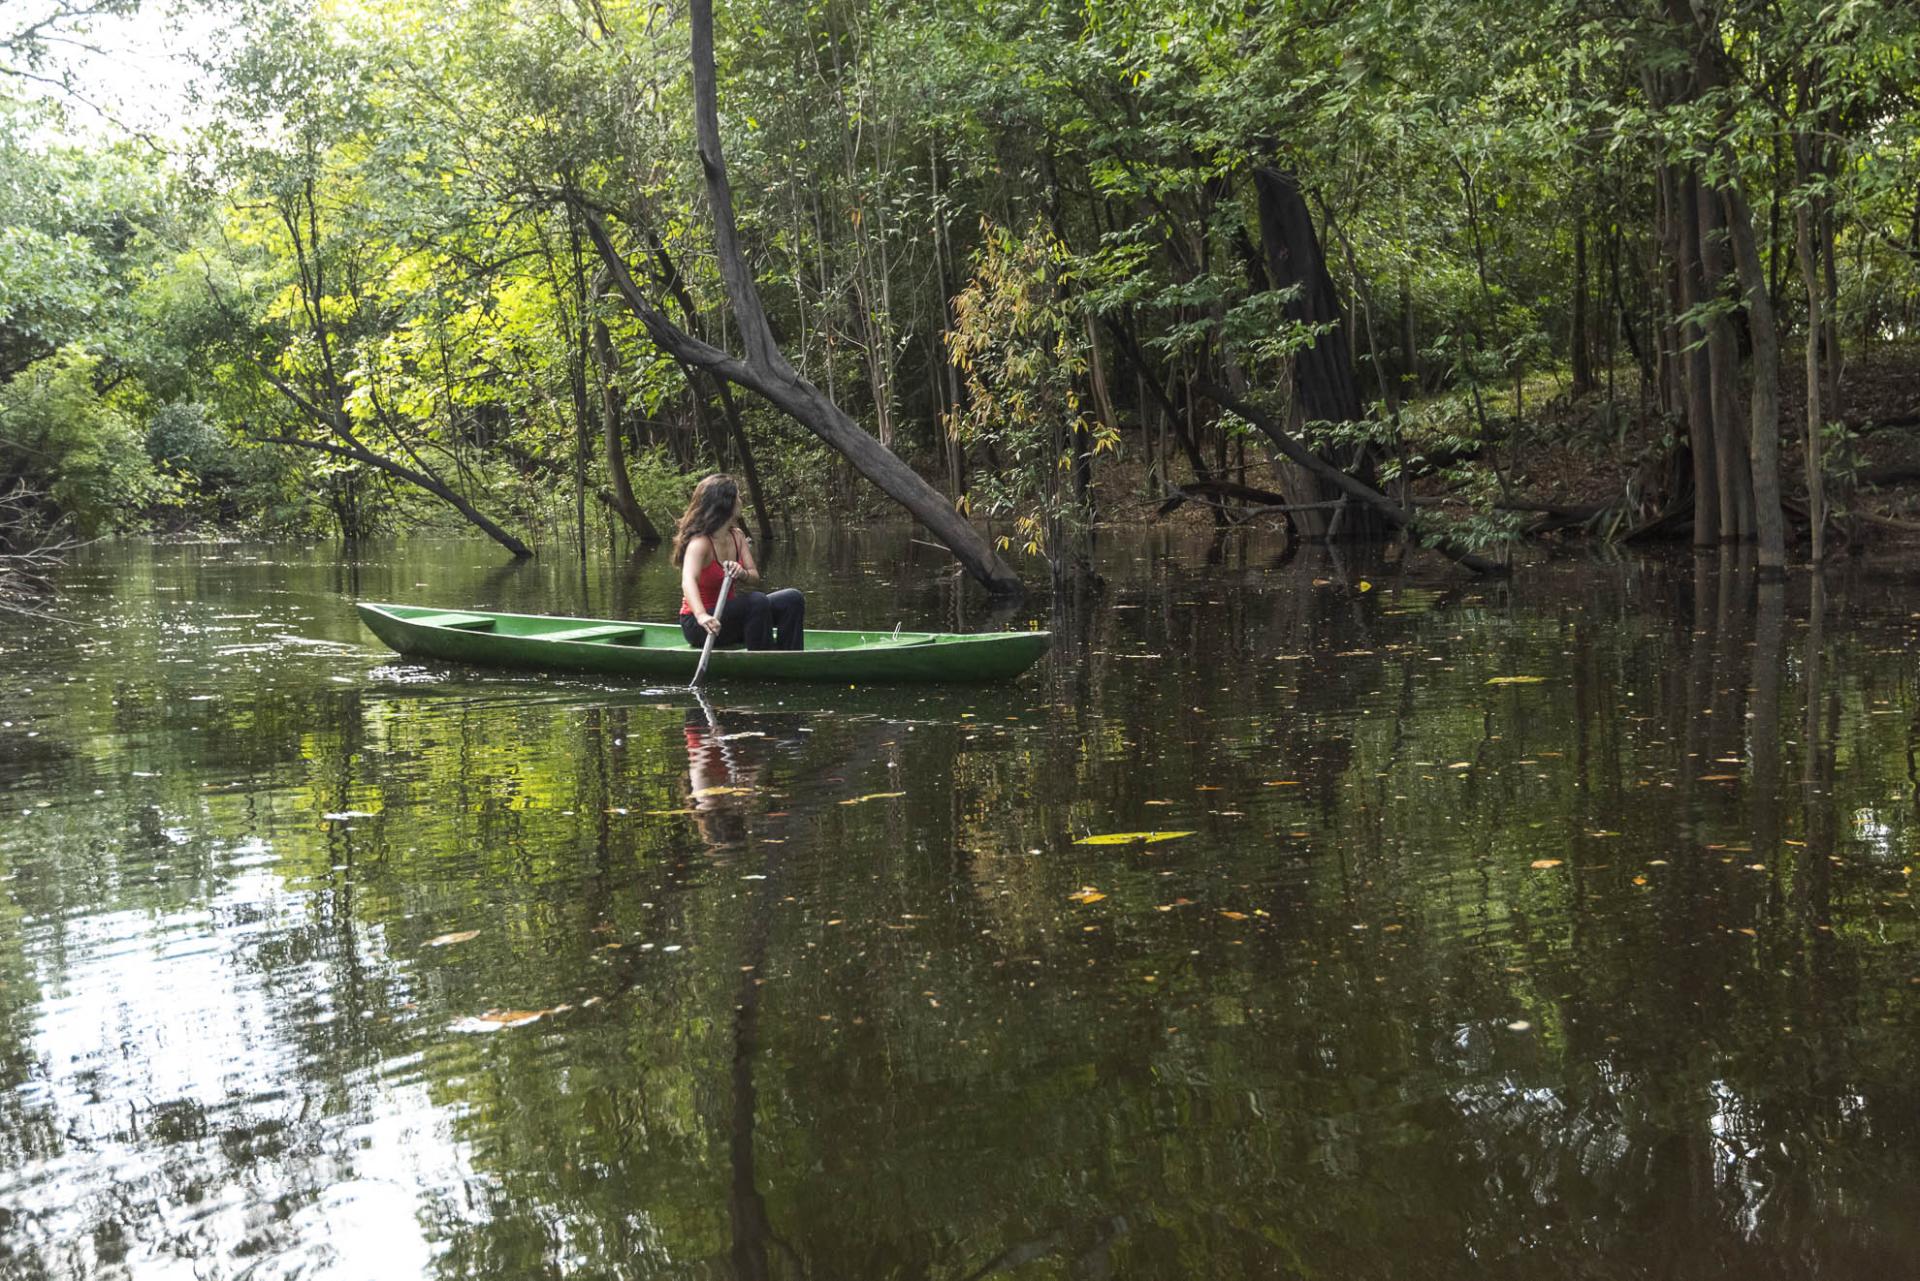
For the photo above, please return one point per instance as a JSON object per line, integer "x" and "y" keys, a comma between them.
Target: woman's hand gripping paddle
{"x": 706, "y": 651}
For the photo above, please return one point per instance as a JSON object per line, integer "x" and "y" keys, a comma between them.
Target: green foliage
{"x": 1020, "y": 343}
{"x": 368, "y": 237}
{"x": 61, "y": 438}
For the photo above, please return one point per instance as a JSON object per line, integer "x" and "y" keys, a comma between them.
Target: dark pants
{"x": 759, "y": 619}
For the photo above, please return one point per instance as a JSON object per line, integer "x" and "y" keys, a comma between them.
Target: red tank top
{"x": 709, "y": 585}
{"x": 710, "y": 577}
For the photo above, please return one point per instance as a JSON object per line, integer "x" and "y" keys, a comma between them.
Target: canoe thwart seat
{"x": 598, "y": 632}
{"x": 460, "y": 622}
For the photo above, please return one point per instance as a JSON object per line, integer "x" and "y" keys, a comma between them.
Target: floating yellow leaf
{"x": 1541, "y": 864}
{"x": 1365, "y": 586}
{"x": 1086, "y": 894}
{"x": 1639, "y": 880}
{"x": 1234, "y": 916}
{"x": 446, "y": 939}
{"x": 495, "y": 1020}
{"x": 511, "y": 1017}
{"x": 1517, "y": 680}
{"x": 1719, "y": 778}
{"x": 872, "y": 796}
{"x": 1129, "y": 838}
{"x": 1284, "y": 782}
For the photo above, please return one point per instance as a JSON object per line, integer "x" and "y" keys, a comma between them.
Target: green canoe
{"x": 659, "y": 651}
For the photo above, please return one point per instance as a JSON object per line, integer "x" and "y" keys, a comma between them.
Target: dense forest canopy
{"x": 510, "y": 264}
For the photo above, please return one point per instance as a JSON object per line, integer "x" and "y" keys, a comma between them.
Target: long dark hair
{"x": 706, "y": 515}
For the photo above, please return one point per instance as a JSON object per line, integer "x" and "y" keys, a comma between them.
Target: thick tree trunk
{"x": 1324, "y": 380}
{"x": 1764, "y": 434}
{"x": 1732, "y": 451}
{"x": 764, "y": 369}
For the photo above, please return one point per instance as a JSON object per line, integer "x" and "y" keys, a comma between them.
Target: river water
{"x": 1560, "y": 927}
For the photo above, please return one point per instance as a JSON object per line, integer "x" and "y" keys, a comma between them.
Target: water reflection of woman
{"x": 709, "y": 544}
{"x": 710, "y": 776}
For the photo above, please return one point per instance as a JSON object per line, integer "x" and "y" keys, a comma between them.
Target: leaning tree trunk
{"x": 803, "y": 401}
{"x": 763, "y": 368}
{"x": 1323, "y": 373}
{"x": 1359, "y": 492}
{"x": 349, "y": 446}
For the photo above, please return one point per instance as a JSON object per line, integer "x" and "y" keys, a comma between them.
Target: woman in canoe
{"x": 709, "y": 543}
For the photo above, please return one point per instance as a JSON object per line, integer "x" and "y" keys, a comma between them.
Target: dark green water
{"x": 1614, "y": 973}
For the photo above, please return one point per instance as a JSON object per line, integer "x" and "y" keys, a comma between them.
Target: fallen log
{"x": 1883, "y": 474}
{"x": 1366, "y": 495}
{"x": 1203, "y": 489}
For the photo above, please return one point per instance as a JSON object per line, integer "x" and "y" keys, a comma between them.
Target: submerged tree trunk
{"x": 629, "y": 510}
{"x": 1324, "y": 380}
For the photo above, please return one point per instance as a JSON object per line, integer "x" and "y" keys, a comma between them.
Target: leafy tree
{"x": 60, "y": 438}
{"x": 1021, "y": 346}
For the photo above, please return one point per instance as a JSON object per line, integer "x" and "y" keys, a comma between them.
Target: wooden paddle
{"x": 706, "y": 651}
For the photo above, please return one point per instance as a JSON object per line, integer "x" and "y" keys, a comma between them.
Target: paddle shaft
{"x": 706, "y": 651}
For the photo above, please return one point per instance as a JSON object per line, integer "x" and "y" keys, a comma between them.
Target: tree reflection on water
{"x": 1608, "y": 973}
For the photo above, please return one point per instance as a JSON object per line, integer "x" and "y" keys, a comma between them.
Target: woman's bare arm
{"x": 744, "y": 546}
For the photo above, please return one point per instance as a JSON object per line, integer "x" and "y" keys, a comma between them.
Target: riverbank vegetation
{"x": 1376, "y": 269}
